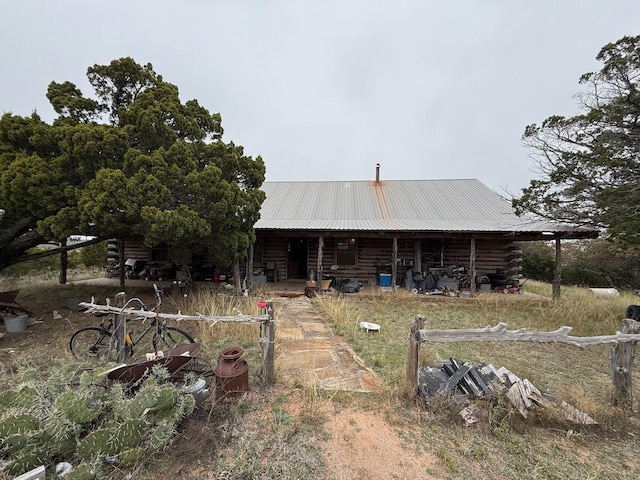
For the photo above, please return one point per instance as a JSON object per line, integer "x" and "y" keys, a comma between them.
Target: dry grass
{"x": 543, "y": 446}
{"x": 272, "y": 432}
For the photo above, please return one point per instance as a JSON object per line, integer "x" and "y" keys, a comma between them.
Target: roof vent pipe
{"x": 377, "y": 173}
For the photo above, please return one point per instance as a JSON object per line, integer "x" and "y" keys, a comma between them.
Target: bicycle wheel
{"x": 172, "y": 337}
{"x": 90, "y": 343}
{"x": 168, "y": 337}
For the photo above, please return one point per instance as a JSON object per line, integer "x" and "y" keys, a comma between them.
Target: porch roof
{"x": 464, "y": 205}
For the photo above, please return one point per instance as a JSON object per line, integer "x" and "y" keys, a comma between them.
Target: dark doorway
{"x": 297, "y": 258}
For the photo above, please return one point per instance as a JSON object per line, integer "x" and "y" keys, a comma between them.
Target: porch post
{"x": 417, "y": 255}
{"x": 122, "y": 260}
{"x": 64, "y": 264}
{"x": 472, "y": 266}
{"x": 319, "y": 266}
{"x": 250, "y": 265}
{"x": 557, "y": 273}
{"x": 394, "y": 261}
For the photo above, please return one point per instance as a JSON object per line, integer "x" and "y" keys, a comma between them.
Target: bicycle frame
{"x": 108, "y": 327}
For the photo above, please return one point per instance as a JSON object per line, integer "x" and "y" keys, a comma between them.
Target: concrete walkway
{"x": 307, "y": 351}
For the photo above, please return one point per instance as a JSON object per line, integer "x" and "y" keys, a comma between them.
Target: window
{"x": 346, "y": 251}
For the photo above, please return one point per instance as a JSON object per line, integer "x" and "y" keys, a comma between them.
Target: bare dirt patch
{"x": 362, "y": 445}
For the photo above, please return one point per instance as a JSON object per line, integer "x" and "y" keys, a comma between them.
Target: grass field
{"x": 505, "y": 445}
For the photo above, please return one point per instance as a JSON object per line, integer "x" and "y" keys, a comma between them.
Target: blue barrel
{"x": 385, "y": 279}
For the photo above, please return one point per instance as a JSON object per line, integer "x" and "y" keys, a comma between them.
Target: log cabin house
{"x": 361, "y": 229}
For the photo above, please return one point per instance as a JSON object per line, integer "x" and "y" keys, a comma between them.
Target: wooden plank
{"x": 35, "y": 474}
{"x": 455, "y": 379}
{"x": 499, "y": 333}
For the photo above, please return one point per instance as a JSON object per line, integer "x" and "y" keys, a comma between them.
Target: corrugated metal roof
{"x": 392, "y": 205}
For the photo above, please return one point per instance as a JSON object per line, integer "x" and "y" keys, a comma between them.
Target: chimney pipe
{"x": 377, "y": 173}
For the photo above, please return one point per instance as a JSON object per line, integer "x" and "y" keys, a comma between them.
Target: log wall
{"x": 374, "y": 255}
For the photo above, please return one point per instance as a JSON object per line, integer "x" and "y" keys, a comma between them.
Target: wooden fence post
{"x": 414, "y": 349}
{"x": 120, "y": 327}
{"x": 621, "y": 363}
{"x": 268, "y": 346}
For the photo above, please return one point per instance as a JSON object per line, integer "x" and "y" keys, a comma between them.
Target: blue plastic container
{"x": 385, "y": 280}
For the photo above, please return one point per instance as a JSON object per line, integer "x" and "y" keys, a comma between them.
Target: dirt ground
{"x": 358, "y": 442}
{"x": 364, "y": 446}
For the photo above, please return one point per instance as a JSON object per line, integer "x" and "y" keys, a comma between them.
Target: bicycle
{"x": 96, "y": 342}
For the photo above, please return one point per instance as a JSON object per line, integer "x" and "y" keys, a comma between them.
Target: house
{"x": 362, "y": 229}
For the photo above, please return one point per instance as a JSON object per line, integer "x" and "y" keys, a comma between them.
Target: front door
{"x": 297, "y": 258}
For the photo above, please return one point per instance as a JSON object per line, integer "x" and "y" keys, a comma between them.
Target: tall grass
{"x": 214, "y": 337}
{"x": 503, "y": 444}
{"x": 553, "y": 365}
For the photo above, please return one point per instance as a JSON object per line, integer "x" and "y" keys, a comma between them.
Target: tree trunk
{"x": 237, "y": 281}
{"x": 557, "y": 273}
{"x": 250, "y": 266}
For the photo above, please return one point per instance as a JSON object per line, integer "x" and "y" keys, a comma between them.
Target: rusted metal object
{"x": 232, "y": 372}
{"x": 8, "y": 303}
{"x": 173, "y": 359}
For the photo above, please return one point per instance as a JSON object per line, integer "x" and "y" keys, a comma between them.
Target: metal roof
{"x": 393, "y": 205}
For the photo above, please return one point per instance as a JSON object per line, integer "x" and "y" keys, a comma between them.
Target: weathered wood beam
{"x": 120, "y": 328}
{"x": 319, "y": 266}
{"x": 621, "y": 363}
{"x": 267, "y": 367}
{"x": 121, "y": 260}
{"x": 472, "y": 266}
{"x": 411, "y": 372}
{"x": 499, "y": 333}
{"x": 108, "y": 309}
{"x": 394, "y": 261}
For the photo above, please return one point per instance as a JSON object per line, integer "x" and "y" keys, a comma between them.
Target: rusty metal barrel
{"x": 232, "y": 372}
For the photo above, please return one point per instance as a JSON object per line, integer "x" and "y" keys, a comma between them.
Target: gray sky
{"x": 324, "y": 90}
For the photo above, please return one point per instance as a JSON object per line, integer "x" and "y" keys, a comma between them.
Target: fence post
{"x": 414, "y": 349}
{"x": 268, "y": 346}
{"x": 621, "y": 363}
{"x": 120, "y": 326}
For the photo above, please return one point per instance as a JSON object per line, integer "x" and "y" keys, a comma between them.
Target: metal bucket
{"x": 15, "y": 324}
{"x": 232, "y": 372}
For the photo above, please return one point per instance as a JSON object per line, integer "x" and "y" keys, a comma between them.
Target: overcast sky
{"x": 324, "y": 90}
